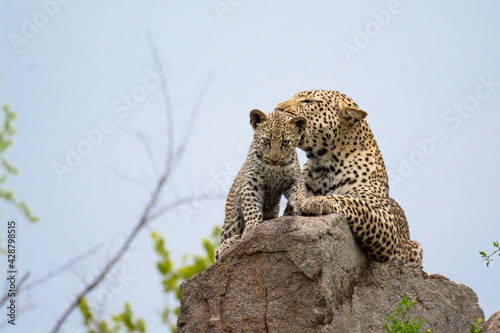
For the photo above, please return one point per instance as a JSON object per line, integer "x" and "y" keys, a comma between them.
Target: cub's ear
{"x": 257, "y": 117}
{"x": 351, "y": 114}
{"x": 299, "y": 124}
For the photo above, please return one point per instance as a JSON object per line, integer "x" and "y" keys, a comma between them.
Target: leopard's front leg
{"x": 371, "y": 223}
{"x": 226, "y": 246}
{"x": 319, "y": 206}
{"x": 251, "y": 208}
{"x": 295, "y": 193}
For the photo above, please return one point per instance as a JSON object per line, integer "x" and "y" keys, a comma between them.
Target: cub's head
{"x": 327, "y": 111}
{"x": 276, "y": 136}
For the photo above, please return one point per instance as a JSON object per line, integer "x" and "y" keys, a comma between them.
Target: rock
{"x": 492, "y": 325}
{"x": 308, "y": 274}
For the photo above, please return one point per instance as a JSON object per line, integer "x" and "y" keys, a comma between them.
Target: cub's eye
{"x": 266, "y": 141}
{"x": 285, "y": 143}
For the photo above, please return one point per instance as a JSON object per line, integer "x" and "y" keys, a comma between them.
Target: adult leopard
{"x": 345, "y": 173}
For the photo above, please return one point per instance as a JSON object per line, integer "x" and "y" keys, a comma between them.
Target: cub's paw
{"x": 293, "y": 209}
{"x": 317, "y": 206}
{"x": 226, "y": 246}
{"x": 289, "y": 210}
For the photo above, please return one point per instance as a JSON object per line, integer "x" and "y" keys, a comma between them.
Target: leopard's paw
{"x": 317, "y": 206}
{"x": 226, "y": 246}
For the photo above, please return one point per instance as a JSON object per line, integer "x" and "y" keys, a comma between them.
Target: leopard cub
{"x": 270, "y": 170}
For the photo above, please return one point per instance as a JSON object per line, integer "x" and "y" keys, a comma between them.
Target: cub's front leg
{"x": 296, "y": 195}
{"x": 295, "y": 192}
{"x": 226, "y": 246}
{"x": 251, "y": 208}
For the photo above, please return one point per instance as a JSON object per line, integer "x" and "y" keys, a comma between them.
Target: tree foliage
{"x": 122, "y": 322}
{"x": 397, "y": 322}
{"x": 488, "y": 257}
{"x": 171, "y": 278}
{"x": 7, "y": 132}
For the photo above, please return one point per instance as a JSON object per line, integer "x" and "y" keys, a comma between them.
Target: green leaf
{"x": 7, "y": 132}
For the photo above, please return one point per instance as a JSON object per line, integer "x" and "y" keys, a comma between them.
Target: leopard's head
{"x": 327, "y": 111}
{"x": 276, "y": 136}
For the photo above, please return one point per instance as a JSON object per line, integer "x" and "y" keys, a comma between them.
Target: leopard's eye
{"x": 266, "y": 141}
{"x": 285, "y": 143}
{"x": 307, "y": 101}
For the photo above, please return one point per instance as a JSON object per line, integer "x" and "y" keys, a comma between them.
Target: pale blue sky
{"x": 426, "y": 72}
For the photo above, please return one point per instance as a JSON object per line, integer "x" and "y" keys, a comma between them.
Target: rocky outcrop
{"x": 492, "y": 325}
{"x": 308, "y": 274}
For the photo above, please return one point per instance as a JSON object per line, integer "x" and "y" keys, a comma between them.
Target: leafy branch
{"x": 123, "y": 320}
{"x": 173, "y": 277}
{"x": 151, "y": 210}
{"x": 396, "y": 322}
{"x": 488, "y": 257}
{"x": 7, "y": 132}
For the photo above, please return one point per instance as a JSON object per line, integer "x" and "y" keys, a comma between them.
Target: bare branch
{"x": 20, "y": 311}
{"x": 18, "y": 286}
{"x": 162, "y": 210}
{"x": 147, "y": 147}
{"x": 147, "y": 214}
{"x": 107, "y": 268}
{"x": 146, "y": 144}
{"x": 130, "y": 179}
{"x": 194, "y": 113}
{"x": 145, "y": 217}
{"x": 166, "y": 98}
{"x": 61, "y": 269}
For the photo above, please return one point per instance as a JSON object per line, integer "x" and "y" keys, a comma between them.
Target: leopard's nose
{"x": 276, "y": 109}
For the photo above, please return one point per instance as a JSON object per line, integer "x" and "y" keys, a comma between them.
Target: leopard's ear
{"x": 351, "y": 114}
{"x": 299, "y": 124}
{"x": 257, "y": 117}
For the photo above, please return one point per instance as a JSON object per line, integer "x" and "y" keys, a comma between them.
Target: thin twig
{"x": 146, "y": 144}
{"x": 162, "y": 210}
{"x": 166, "y": 98}
{"x": 487, "y": 257}
{"x": 147, "y": 212}
{"x": 147, "y": 147}
{"x": 194, "y": 113}
{"x": 61, "y": 269}
{"x": 18, "y": 286}
{"x": 130, "y": 179}
{"x": 107, "y": 268}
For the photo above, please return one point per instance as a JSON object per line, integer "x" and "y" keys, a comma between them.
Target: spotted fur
{"x": 345, "y": 173}
{"x": 270, "y": 170}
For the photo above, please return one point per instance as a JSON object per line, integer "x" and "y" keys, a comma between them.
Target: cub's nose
{"x": 277, "y": 109}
